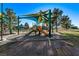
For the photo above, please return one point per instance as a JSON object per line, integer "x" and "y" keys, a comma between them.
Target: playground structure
{"x": 41, "y": 18}
{"x": 43, "y": 21}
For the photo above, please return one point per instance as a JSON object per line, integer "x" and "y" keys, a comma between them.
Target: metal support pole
{"x": 1, "y": 21}
{"x": 18, "y": 25}
{"x": 49, "y": 23}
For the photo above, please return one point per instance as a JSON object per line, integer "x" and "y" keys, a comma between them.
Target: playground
{"x": 44, "y": 38}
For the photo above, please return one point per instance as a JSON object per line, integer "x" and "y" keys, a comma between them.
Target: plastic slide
{"x": 43, "y": 31}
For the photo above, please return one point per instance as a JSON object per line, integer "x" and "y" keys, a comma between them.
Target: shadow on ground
{"x": 38, "y": 46}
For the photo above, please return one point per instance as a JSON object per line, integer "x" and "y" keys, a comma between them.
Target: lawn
{"x": 71, "y": 35}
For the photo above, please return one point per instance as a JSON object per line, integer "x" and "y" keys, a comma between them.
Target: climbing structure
{"x": 42, "y": 21}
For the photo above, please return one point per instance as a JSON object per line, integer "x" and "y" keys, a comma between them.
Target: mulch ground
{"x": 33, "y": 46}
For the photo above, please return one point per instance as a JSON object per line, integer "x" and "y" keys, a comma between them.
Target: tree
{"x": 4, "y": 21}
{"x": 11, "y": 17}
{"x": 74, "y": 27}
{"x": 57, "y": 13}
{"x": 21, "y": 27}
{"x": 65, "y": 22}
{"x": 26, "y": 26}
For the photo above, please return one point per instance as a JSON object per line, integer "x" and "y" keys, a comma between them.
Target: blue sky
{"x": 70, "y": 9}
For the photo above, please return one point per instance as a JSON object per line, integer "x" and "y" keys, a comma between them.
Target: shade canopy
{"x": 38, "y": 17}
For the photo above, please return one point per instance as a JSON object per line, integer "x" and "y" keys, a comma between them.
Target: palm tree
{"x": 57, "y": 13}
{"x": 65, "y": 22}
{"x": 11, "y": 17}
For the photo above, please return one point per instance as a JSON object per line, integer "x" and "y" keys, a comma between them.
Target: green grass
{"x": 71, "y": 36}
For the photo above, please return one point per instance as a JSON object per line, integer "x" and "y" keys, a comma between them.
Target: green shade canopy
{"x": 38, "y": 16}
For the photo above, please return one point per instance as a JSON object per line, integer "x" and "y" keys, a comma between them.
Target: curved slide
{"x": 43, "y": 31}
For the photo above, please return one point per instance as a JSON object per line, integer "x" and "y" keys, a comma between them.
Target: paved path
{"x": 9, "y": 38}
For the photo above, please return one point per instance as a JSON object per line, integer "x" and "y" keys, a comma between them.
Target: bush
{"x": 74, "y": 27}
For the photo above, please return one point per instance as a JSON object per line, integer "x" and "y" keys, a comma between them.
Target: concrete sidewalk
{"x": 10, "y": 38}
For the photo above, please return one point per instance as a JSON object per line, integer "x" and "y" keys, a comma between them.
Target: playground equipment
{"x": 41, "y": 17}
{"x": 40, "y": 29}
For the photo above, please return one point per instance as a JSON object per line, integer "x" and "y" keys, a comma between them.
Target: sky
{"x": 70, "y": 9}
